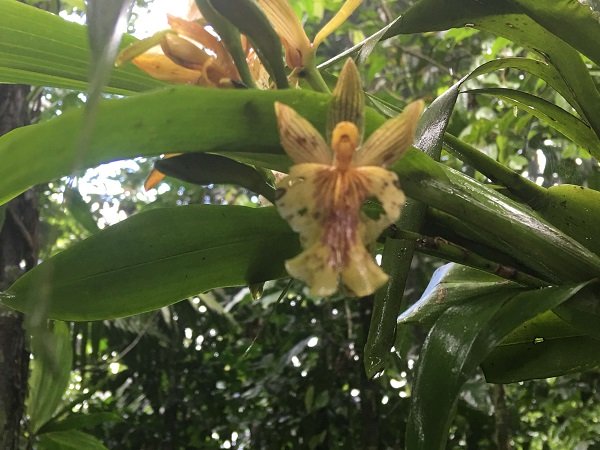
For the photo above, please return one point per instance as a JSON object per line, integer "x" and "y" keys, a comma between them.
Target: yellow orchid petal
{"x": 299, "y": 138}
{"x": 288, "y": 27}
{"x": 296, "y": 201}
{"x": 323, "y": 197}
{"x": 162, "y": 68}
{"x": 196, "y": 32}
{"x": 348, "y": 102}
{"x": 323, "y": 206}
{"x": 363, "y": 276}
{"x": 140, "y": 47}
{"x": 384, "y": 186}
{"x": 311, "y": 267}
{"x": 340, "y": 17}
{"x": 392, "y": 139}
{"x": 183, "y": 52}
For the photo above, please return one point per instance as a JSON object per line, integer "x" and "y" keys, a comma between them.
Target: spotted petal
{"x": 299, "y": 138}
{"x": 297, "y": 204}
{"x": 384, "y": 186}
{"x": 392, "y": 139}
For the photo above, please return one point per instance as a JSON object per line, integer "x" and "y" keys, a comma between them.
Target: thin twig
{"x": 441, "y": 248}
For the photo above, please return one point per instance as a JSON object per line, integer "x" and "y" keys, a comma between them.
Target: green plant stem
{"x": 231, "y": 38}
{"x": 441, "y": 248}
{"x": 524, "y": 189}
{"x": 311, "y": 74}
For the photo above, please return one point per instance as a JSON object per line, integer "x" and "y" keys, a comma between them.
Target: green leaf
{"x": 575, "y": 210}
{"x": 546, "y": 346}
{"x": 524, "y": 189}
{"x": 506, "y": 18}
{"x": 230, "y": 37}
{"x": 389, "y": 301}
{"x": 80, "y": 421}
{"x": 549, "y": 358}
{"x": 436, "y": 117}
{"x": 570, "y": 20}
{"x": 506, "y": 225}
{"x": 80, "y": 210}
{"x": 240, "y": 121}
{"x": 42, "y": 49}
{"x": 445, "y": 363}
{"x": 582, "y": 312}
{"x": 69, "y": 440}
{"x": 203, "y": 169}
{"x": 157, "y": 258}
{"x": 457, "y": 343}
{"x": 252, "y": 22}
{"x": 449, "y": 285}
{"x": 53, "y": 357}
{"x": 556, "y": 117}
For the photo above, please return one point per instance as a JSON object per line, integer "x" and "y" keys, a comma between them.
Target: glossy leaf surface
{"x": 505, "y": 224}
{"x": 453, "y": 284}
{"x": 42, "y": 49}
{"x": 458, "y": 342}
{"x": 515, "y": 22}
{"x": 157, "y": 258}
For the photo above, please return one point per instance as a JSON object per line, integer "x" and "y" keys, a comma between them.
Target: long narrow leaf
{"x": 42, "y": 49}
{"x": 179, "y": 119}
{"x": 156, "y": 258}
{"x": 508, "y": 19}
{"x": 556, "y": 117}
{"x": 459, "y": 341}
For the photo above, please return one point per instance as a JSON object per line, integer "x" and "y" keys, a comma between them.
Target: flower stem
{"x": 311, "y": 74}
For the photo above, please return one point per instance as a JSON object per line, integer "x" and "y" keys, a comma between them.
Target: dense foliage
{"x": 502, "y": 184}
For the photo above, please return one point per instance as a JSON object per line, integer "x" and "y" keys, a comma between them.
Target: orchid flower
{"x": 299, "y": 51}
{"x": 323, "y": 195}
{"x": 189, "y": 54}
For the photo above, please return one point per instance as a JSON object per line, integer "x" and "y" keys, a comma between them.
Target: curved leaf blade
{"x": 505, "y": 224}
{"x": 251, "y": 21}
{"x": 510, "y": 20}
{"x": 449, "y": 285}
{"x": 50, "y": 374}
{"x": 203, "y": 169}
{"x": 69, "y": 440}
{"x": 151, "y": 124}
{"x": 157, "y": 258}
{"x": 457, "y": 343}
{"x": 42, "y": 49}
{"x": 556, "y": 117}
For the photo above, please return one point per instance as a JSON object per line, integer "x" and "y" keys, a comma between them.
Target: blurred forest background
{"x": 232, "y": 370}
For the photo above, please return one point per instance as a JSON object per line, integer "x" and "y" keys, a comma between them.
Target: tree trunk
{"x": 18, "y": 253}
